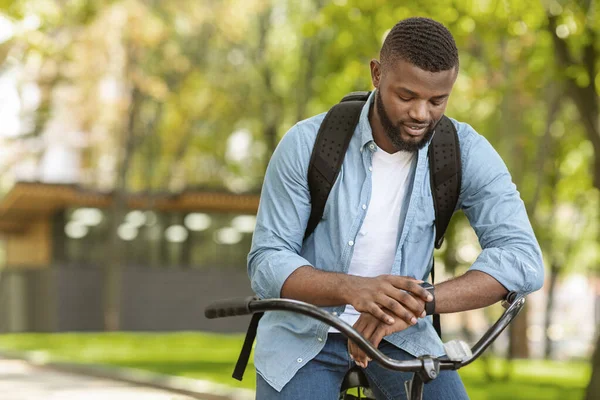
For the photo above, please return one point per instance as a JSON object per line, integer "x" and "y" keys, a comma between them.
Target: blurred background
{"x": 134, "y": 136}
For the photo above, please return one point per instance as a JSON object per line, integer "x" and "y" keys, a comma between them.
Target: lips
{"x": 415, "y": 130}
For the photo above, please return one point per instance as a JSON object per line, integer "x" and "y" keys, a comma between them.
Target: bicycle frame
{"x": 425, "y": 368}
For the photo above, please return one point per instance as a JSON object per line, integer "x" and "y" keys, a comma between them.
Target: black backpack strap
{"x": 242, "y": 362}
{"x": 329, "y": 151}
{"x": 437, "y": 323}
{"x": 445, "y": 175}
{"x": 445, "y": 179}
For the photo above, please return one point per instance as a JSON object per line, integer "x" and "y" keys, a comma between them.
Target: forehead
{"x": 402, "y": 74}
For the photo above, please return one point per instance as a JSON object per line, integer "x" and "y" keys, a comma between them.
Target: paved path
{"x": 20, "y": 381}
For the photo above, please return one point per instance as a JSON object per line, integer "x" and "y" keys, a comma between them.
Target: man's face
{"x": 409, "y": 102}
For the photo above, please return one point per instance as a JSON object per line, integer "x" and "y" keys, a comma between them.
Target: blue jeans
{"x": 321, "y": 378}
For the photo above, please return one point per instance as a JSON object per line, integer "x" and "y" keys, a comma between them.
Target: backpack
{"x": 326, "y": 160}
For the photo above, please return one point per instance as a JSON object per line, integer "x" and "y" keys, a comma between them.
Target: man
{"x": 366, "y": 257}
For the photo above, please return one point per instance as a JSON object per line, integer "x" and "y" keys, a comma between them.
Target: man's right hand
{"x": 401, "y": 295}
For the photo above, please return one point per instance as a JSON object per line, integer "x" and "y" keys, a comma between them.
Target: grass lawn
{"x": 212, "y": 357}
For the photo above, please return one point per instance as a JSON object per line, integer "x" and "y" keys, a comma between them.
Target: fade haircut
{"x": 423, "y": 42}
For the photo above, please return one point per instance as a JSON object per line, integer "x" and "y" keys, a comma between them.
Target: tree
{"x": 574, "y": 33}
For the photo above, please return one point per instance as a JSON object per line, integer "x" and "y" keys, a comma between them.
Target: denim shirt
{"x": 491, "y": 202}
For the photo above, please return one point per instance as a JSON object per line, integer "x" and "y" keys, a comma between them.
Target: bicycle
{"x": 425, "y": 368}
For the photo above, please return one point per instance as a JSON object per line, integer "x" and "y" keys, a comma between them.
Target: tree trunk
{"x": 554, "y": 269}
{"x": 113, "y": 268}
{"x": 519, "y": 347}
{"x": 271, "y": 139}
{"x": 586, "y": 101}
{"x": 273, "y": 110}
{"x": 309, "y": 57}
{"x": 594, "y": 386}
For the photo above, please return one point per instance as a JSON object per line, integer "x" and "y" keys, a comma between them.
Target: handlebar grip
{"x": 229, "y": 307}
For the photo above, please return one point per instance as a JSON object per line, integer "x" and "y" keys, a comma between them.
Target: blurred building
{"x": 177, "y": 253}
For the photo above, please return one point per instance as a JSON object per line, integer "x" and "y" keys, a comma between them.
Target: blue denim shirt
{"x": 511, "y": 254}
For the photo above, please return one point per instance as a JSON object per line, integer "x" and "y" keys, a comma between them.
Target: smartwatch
{"x": 429, "y": 306}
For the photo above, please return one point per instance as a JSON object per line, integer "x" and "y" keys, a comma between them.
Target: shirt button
{"x": 335, "y": 313}
{"x": 320, "y": 339}
{"x": 364, "y": 206}
{"x": 299, "y": 360}
{"x": 370, "y": 168}
{"x": 372, "y": 146}
{"x": 351, "y": 243}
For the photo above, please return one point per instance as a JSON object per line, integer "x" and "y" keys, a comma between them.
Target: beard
{"x": 394, "y": 132}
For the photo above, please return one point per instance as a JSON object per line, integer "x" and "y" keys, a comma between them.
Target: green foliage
{"x": 207, "y": 69}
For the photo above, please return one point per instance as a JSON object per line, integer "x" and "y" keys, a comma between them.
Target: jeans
{"x": 321, "y": 378}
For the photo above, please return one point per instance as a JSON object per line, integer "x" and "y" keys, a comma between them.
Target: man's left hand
{"x": 374, "y": 331}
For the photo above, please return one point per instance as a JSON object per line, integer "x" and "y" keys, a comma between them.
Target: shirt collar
{"x": 364, "y": 127}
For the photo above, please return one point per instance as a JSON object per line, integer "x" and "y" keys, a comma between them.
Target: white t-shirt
{"x": 375, "y": 245}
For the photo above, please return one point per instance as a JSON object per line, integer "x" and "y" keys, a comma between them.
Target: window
{"x": 153, "y": 239}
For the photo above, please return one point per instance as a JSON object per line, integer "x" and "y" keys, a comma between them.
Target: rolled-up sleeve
{"x": 491, "y": 202}
{"x": 282, "y": 216}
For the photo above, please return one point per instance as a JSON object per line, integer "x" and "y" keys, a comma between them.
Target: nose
{"x": 419, "y": 111}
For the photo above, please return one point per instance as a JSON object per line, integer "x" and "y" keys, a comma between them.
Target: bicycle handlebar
{"x": 242, "y": 306}
{"x": 229, "y": 307}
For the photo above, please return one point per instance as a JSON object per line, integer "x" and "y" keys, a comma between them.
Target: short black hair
{"x": 423, "y": 42}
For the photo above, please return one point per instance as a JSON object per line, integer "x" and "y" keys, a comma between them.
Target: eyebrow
{"x": 411, "y": 93}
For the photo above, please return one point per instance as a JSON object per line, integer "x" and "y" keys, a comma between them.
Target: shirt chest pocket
{"x": 422, "y": 228}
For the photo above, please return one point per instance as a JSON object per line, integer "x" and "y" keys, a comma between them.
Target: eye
{"x": 403, "y": 99}
{"x": 437, "y": 103}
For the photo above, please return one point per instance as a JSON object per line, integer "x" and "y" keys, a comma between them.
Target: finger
{"x": 378, "y": 337}
{"x": 362, "y": 327}
{"x": 376, "y": 311}
{"x": 360, "y": 357}
{"x": 406, "y": 278}
{"x": 383, "y": 330}
{"x": 366, "y": 325}
{"x": 397, "y": 309}
{"x": 351, "y": 349}
{"x": 362, "y": 324}
{"x": 355, "y": 353}
{"x": 368, "y": 329}
{"x": 407, "y": 300}
{"x": 410, "y": 285}
{"x": 423, "y": 312}
{"x": 412, "y": 278}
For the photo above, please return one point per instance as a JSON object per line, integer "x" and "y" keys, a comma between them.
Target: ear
{"x": 375, "y": 73}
